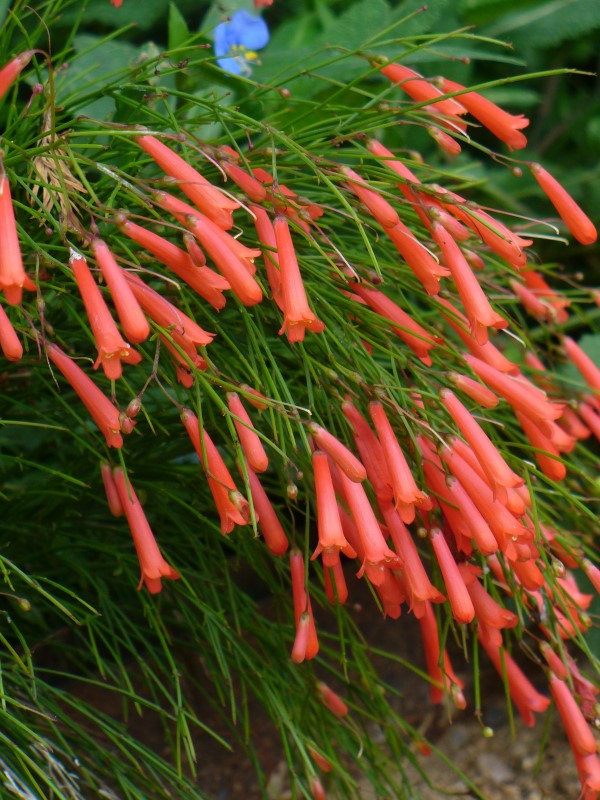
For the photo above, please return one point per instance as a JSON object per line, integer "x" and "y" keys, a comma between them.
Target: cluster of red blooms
{"x": 471, "y": 506}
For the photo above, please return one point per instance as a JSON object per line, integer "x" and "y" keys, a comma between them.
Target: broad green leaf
{"x": 550, "y": 23}
{"x": 178, "y": 29}
{"x": 96, "y": 59}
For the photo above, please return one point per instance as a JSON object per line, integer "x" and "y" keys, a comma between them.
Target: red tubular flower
{"x": 335, "y": 583}
{"x": 268, "y": 521}
{"x": 487, "y": 610}
{"x": 407, "y": 494}
{"x": 554, "y": 661}
{"x": 588, "y": 768}
{"x": 411, "y": 333}
{"x": 329, "y": 526}
{"x": 475, "y": 390}
{"x": 331, "y": 700}
{"x": 253, "y": 189}
{"x": 537, "y": 284}
{"x": 459, "y": 510}
{"x": 502, "y": 523}
{"x": 134, "y": 323}
{"x": 424, "y": 205}
{"x": 376, "y": 553}
{"x": 344, "y": 459}
{"x": 458, "y": 231}
{"x": 503, "y": 125}
{"x": 522, "y": 395}
{"x": 391, "y": 593}
{"x": 102, "y": 411}
{"x": 572, "y": 425}
{"x": 480, "y": 531}
{"x": 418, "y": 586}
{"x": 418, "y": 258}
{"x": 302, "y": 636}
{"x": 479, "y": 312}
{"x": 231, "y": 265}
{"x": 252, "y": 446}
{"x": 458, "y": 596}
{"x": 378, "y": 207}
{"x": 497, "y": 471}
{"x": 446, "y": 142}
{"x": 532, "y": 303}
{"x": 233, "y": 259}
{"x": 186, "y": 213}
{"x": 526, "y": 698}
{"x": 571, "y": 214}
{"x": 591, "y": 418}
{"x": 422, "y": 90}
{"x": 12, "y": 274}
{"x": 9, "y": 341}
{"x": 232, "y": 507}
{"x": 183, "y": 368}
{"x": 297, "y": 314}
{"x": 371, "y": 453}
{"x": 487, "y": 352}
{"x": 287, "y": 202}
{"x": 110, "y": 487}
{"x": 442, "y": 678}
{"x": 578, "y": 732}
{"x": 208, "y": 198}
{"x": 266, "y": 236}
{"x": 207, "y": 283}
{"x": 585, "y": 365}
{"x": 546, "y": 454}
{"x": 11, "y": 71}
{"x": 196, "y": 253}
{"x": 494, "y": 233}
{"x": 152, "y": 564}
{"x": 592, "y": 572}
{"x": 183, "y": 330}
{"x": 112, "y": 348}
{"x": 301, "y": 602}
{"x": 319, "y": 759}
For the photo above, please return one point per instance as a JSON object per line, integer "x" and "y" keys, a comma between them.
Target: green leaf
{"x": 143, "y": 16}
{"x": 97, "y": 59}
{"x": 425, "y": 15}
{"x": 178, "y": 30}
{"x": 550, "y": 23}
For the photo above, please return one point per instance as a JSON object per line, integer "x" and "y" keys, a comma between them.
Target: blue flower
{"x": 237, "y": 40}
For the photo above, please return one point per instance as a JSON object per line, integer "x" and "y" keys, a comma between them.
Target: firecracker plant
{"x": 243, "y": 377}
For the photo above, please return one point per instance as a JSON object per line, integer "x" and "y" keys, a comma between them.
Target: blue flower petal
{"x": 249, "y": 31}
{"x": 224, "y": 39}
{"x": 231, "y": 65}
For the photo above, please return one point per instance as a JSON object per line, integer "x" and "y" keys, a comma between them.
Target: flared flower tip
{"x": 571, "y": 214}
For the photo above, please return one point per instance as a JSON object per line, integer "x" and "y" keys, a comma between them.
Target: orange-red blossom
{"x": 112, "y": 348}
{"x": 132, "y": 319}
{"x": 232, "y": 507}
{"x": 497, "y": 471}
{"x": 297, "y": 314}
{"x": 153, "y": 565}
{"x": 208, "y": 198}
{"x": 9, "y": 341}
{"x": 102, "y": 411}
{"x": 329, "y": 525}
{"x": 505, "y": 126}
{"x": 407, "y": 494}
{"x": 571, "y": 214}
{"x": 12, "y": 274}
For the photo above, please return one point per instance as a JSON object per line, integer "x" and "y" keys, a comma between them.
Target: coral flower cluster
{"x": 423, "y": 458}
